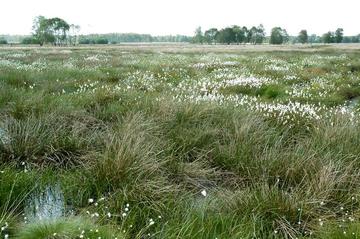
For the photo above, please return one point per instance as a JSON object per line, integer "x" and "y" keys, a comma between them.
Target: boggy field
{"x": 180, "y": 142}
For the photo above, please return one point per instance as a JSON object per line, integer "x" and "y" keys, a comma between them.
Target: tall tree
{"x": 42, "y": 30}
{"x": 210, "y": 35}
{"x": 303, "y": 37}
{"x": 278, "y": 36}
{"x": 226, "y": 35}
{"x": 247, "y": 35}
{"x": 339, "y": 35}
{"x": 313, "y": 38}
{"x": 239, "y": 34}
{"x": 199, "y": 37}
{"x": 257, "y": 34}
{"x": 53, "y": 30}
{"x": 59, "y": 28}
{"x": 74, "y": 34}
{"x": 328, "y": 37}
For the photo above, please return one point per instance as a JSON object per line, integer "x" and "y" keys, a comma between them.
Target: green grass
{"x": 67, "y": 228}
{"x": 143, "y": 134}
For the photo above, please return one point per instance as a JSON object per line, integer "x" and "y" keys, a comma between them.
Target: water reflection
{"x": 4, "y": 138}
{"x": 46, "y": 204}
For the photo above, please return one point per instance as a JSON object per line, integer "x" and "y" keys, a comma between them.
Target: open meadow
{"x": 180, "y": 141}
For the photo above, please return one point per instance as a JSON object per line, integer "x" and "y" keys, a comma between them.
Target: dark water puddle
{"x": 46, "y": 204}
{"x": 4, "y": 138}
{"x": 354, "y": 103}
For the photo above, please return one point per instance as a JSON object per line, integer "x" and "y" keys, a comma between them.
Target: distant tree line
{"x": 7, "y": 39}
{"x": 256, "y": 35}
{"x": 115, "y": 38}
{"x": 93, "y": 40}
{"x": 111, "y": 38}
{"x": 3, "y": 41}
{"x": 334, "y": 37}
{"x": 229, "y": 35}
{"x": 351, "y": 39}
{"x": 328, "y": 37}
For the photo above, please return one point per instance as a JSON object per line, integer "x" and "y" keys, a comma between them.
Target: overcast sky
{"x": 162, "y": 17}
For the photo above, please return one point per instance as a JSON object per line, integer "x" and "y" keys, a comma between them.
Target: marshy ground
{"x": 180, "y": 141}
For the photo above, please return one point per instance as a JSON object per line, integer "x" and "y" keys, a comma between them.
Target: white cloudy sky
{"x": 160, "y": 17}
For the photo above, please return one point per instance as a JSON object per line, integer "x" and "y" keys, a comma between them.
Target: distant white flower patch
{"x": 274, "y": 67}
{"x": 229, "y": 63}
{"x": 215, "y": 63}
{"x": 202, "y": 65}
{"x": 248, "y": 81}
{"x": 92, "y": 58}
{"x": 18, "y": 55}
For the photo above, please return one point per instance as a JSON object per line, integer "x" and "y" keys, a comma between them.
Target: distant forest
{"x": 110, "y": 38}
{"x": 257, "y": 35}
{"x": 115, "y": 38}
